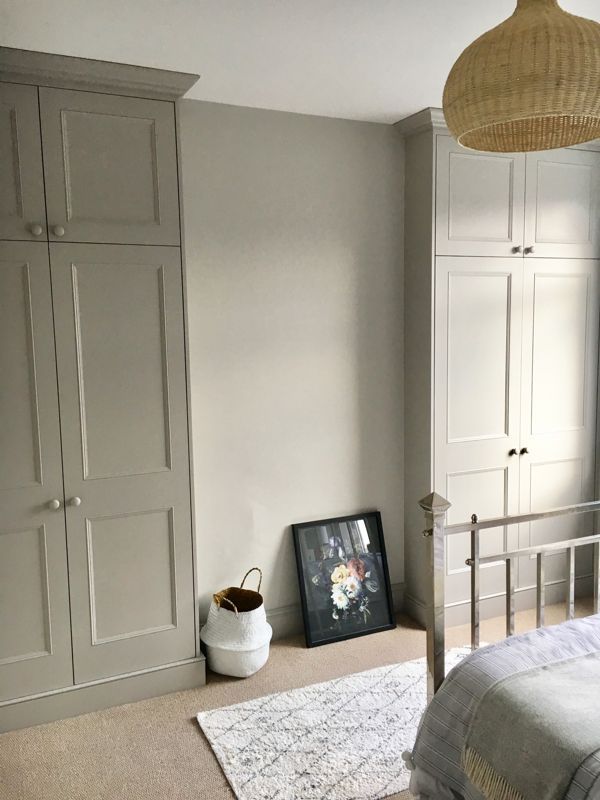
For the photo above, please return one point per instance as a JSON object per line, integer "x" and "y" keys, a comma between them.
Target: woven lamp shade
{"x": 531, "y": 83}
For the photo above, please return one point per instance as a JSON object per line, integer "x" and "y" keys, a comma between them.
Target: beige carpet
{"x": 154, "y": 750}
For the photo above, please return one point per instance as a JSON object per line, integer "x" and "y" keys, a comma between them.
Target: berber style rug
{"x": 339, "y": 740}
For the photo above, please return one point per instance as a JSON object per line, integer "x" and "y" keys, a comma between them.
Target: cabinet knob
{"x": 75, "y": 501}
{"x": 54, "y": 505}
{"x": 524, "y": 451}
{"x": 36, "y": 229}
{"x": 529, "y": 250}
{"x": 517, "y": 249}
{"x": 58, "y": 230}
{"x": 512, "y": 451}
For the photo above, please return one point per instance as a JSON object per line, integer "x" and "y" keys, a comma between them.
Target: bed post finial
{"x": 435, "y": 507}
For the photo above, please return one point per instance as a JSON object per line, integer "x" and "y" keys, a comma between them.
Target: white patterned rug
{"x": 340, "y": 740}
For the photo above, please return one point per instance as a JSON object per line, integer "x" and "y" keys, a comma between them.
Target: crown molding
{"x": 69, "y": 72}
{"x": 432, "y": 119}
{"x": 593, "y": 145}
{"x": 429, "y": 119}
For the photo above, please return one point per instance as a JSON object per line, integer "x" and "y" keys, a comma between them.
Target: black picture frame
{"x": 343, "y": 578}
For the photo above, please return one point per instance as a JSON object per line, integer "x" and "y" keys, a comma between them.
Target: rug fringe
{"x": 484, "y": 777}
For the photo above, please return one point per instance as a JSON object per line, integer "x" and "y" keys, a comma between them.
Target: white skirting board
{"x": 75, "y": 700}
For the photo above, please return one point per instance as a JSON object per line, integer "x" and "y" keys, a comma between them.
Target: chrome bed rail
{"x": 436, "y": 531}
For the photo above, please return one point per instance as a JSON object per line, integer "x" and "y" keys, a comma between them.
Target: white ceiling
{"x": 377, "y": 60}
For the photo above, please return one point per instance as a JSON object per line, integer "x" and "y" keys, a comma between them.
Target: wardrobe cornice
{"x": 69, "y": 72}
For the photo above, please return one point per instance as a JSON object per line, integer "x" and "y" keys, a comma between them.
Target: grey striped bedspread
{"x": 445, "y": 724}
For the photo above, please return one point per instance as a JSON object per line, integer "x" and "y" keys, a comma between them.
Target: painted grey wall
{"x": 293, "y": 237}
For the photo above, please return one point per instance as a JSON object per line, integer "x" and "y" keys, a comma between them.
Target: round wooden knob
{"x": 54, "y": 504}
{"x": 58, "y": 230}
{"x": 36, "y": 229}
{"x": 75, "y": 501}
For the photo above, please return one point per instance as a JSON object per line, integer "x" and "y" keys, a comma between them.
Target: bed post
{"x": 435, "y": 508}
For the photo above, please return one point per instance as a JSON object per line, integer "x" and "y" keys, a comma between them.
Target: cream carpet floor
{"x": 154, "y": 749}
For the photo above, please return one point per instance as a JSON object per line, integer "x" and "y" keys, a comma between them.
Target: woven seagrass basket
{"x": 236, "y": 636}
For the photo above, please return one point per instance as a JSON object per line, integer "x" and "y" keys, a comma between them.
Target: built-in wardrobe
{"x": 96, "y": 553}
{"x": 502, "y": 260}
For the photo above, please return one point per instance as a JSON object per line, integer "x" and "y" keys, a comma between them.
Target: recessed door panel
{"x": 561, "y": 218}
{"x": 24, "y": 572}
{"x": 560, "y": 328}
{"x": 21, "y": 463}
{"x": 125, "y": 350}
{"x": 132, "y": 596}
{"x": 120, "y": 323}
{"x": 485, "y": 493}
{"x": 111, "y": 168}
{"x": 22, "y": 206}
{"x": 124, "y": 146}
{"x": 479, "y": 316}
{"x": 480, "y": 196}
{"x": 553, "y": 484}
{"x": 564, "y": 202}
{"x": 35, "y": 642}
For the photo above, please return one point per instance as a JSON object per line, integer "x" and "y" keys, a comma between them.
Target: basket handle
{"x": 259, "y": 570}
{"x": 219, "y": 600}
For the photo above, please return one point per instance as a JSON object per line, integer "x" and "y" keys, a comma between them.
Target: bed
{"x": 520, "y": 719}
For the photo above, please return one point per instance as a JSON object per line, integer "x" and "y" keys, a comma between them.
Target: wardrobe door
{"x": 120, "y": 352}
{"x": 35, "y": 640}
{"x": 562, "y": 204}
{"x": 111, "y": 168}
{"x": 477, "y": 368}
{"x": 559, "y": 393}
{"x": 22, "y": 207}
{"x": 479, "y": 201}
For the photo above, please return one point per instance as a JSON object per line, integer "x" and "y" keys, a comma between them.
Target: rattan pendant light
{"x": 531, "y": 83}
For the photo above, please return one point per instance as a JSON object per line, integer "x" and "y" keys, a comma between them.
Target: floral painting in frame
{"x": 344, "y": 579}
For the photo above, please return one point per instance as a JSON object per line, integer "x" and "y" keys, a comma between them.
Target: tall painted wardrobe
{"x": 502, "y": 265}
{"x": 97, "y": 598}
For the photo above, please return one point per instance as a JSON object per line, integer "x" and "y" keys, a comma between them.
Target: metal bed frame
{"x": 436, "y": 531}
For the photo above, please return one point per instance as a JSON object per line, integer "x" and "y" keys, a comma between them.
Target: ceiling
{"x": 377, "y": 60}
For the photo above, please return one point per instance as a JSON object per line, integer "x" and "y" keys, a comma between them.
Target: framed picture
{"x": 344, "y": 579}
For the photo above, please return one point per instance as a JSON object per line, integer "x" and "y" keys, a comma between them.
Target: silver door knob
{"x": 517, "y": 249}
{"x": 36, "y": 229}
{"x": 54, "y": 504}
{"x": 75, "y": 501}
{"x": 58, "y": 230}
{"x": 529, "y": 250}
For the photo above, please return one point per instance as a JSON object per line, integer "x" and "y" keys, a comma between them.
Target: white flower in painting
{"x": 340, "y": 573}
{"x": 339, "y": 596}
{"x": 352, "y": 587}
